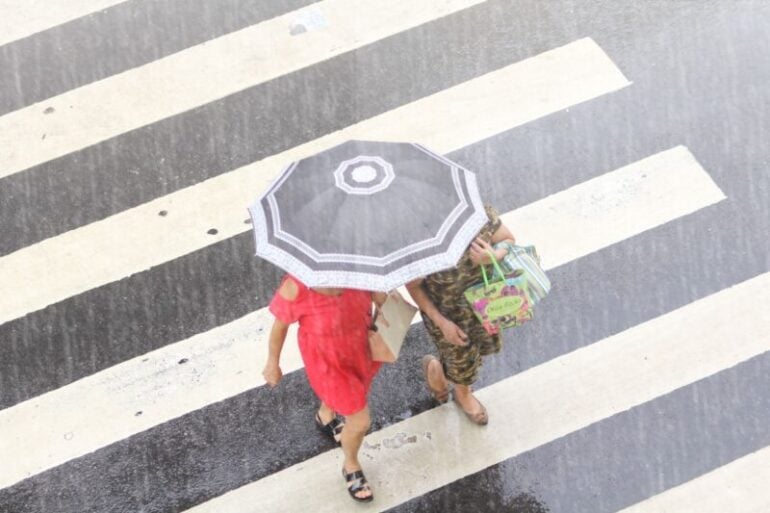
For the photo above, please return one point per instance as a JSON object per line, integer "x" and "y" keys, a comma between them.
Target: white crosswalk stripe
{"x": 640, "y": 364}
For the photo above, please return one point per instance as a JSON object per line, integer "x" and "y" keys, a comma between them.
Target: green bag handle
{"x": 497, "y": 268}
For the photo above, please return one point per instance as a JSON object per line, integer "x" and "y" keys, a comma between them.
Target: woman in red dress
{"x": 333, "y": 341}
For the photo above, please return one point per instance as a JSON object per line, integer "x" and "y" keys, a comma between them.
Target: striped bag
{"x": 517, "y": 284}
{"x": 534, "y": 283}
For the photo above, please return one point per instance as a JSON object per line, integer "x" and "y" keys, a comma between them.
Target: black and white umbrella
{"x": 368, "y": 215}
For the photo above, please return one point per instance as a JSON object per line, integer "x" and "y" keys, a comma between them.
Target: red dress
{"x": 333, "y": 341}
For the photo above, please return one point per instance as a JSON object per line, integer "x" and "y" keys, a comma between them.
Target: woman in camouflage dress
{"x": 460, "y": 338}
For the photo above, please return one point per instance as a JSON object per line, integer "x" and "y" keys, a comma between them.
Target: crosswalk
{"x": 218, "y": 68}
{"x": 444, "y": 121}
{"x": 226, "y": 356}
{"x": 572, "y": 392}
{"x": 126, "y": 387}
{"x": 740, "y": 482}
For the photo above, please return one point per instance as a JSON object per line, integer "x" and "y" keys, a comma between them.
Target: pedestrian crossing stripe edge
{"x": 224, "y": 361}
{"x": 137, "y": 239}
{"x": 20, "y": 19}
{"x": 738, "y": 487}
{"x": 219, "y": 67}
{"x": 529, "y": 409}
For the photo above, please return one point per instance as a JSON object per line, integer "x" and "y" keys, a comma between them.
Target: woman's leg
{"x": 328, "y": 422}
{"x": 464, "y": 396}
{"x": 325, "y": 413}
{"x": 356, "y": 426}
{"x": 461, "y": 365}
{"x": 487, "y": 344}
{"x": 434, "y": 375}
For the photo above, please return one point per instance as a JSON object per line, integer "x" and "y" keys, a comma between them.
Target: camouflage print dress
{"x": 445, "y": 289}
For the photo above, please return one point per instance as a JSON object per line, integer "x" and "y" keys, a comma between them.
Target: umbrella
{"x": 367, "y": 215}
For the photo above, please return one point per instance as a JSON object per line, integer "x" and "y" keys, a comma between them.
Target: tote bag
{"x": 535, "y": 284}
{"x": 391, "y": 322}
{"x": 516, "y": 286}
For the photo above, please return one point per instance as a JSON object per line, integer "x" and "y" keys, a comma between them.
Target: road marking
{"x": 672, "y": 181}
{"x": 529, "y": 409}
{"x": 137, "y": 239}
{"x": 101, "y": 409}
{"x": 22, "y": 18}
{"x": 219, "y": 67}
{"x": 738, "y": 487}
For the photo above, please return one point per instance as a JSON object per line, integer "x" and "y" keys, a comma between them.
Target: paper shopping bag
{"x": 392, "y": 321}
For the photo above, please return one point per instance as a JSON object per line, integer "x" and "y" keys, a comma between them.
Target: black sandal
{"x": 332, "y": 429}
{"x": 356, "y": 482}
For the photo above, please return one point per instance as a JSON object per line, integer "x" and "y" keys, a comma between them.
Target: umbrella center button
{"x": 364, "y": 175}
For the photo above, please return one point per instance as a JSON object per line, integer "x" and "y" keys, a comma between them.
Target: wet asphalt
{"x": 700, "y": 73}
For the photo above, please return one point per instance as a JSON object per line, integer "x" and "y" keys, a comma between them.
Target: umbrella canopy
{"x": 368, "y": 215}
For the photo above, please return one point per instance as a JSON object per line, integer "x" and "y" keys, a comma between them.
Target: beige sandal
{"x": 440, "y": 396}
{"x": 480, "y": 418}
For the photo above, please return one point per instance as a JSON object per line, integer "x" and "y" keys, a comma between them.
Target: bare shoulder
{"x": 379, "y": 298}
{"x": 289, "y": 289}
{"x": 415, "y": 283}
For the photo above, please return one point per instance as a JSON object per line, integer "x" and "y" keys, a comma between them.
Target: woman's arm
{"x": 503, "y": 233}
{"x": 452, "y": 332}
{"x": 480, "y": 248}
{"x": 272, "y": 371}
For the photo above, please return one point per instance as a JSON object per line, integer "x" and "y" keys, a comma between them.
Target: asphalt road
{"x": 697, "y": 78}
